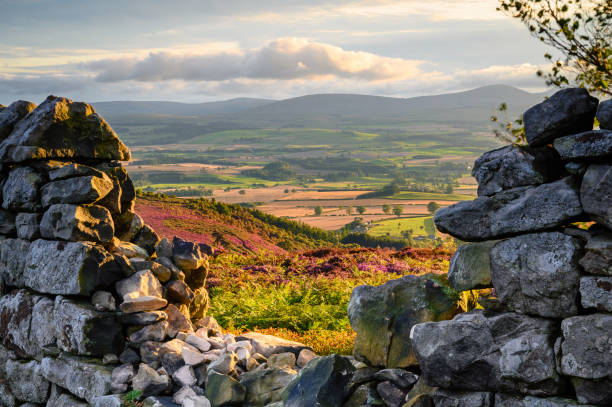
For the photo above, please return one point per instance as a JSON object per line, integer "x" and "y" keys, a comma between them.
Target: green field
{"x": 421, "y": 226}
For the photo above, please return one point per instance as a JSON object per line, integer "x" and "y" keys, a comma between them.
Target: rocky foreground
{"x": 95, "y": 309}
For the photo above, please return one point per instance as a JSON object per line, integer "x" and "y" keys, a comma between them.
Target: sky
{"x": 198, "y": 51}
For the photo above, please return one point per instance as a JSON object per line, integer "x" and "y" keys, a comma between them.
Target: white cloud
{"x": 282, "y": 59}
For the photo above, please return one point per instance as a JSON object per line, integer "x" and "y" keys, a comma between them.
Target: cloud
{"x": 281, "y": 59}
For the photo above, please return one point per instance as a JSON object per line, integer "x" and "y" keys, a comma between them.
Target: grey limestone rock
{"x": 149, "y": 382}
{"x": 483, "y": 351}
{"x": 78, "y": 190}
{"x": 470, "y": 266}
{"x": 265, "y": 386}
{"x": 514, "y": 166}
{"x": 538, "y": 274}
{"x": 68, "y": 268}
{"x": 569, "y": 111}
{"x": 596, "y": 293}
{"x": 598, "y": 256}
{"x": 594, "y": 144}
{"x": 511, "y": 212}
{"x": 83, "y": 377}
{"x": 8, "y": 225}
{"x": 586, "y": 347}
{"x": 77, "y": 223}
{"x": 146, "y": 238}
{"x": 187, "y": 255}
{"x": 508, "y": 400}
{"x": 26, "y": 381}
{"x": 453, "y": 398}
{"x": 383, "y": 316}
{"x": 604, "y": 114}
{"x": 11, "y": 115}
{"x": 21, "y": 190}
{"x": 82, "y": 330}
{"x": 61, "y": 128}
{"x": 597, "y": 391}
{"x": 27, "y": 225}
{"x": 596, "y": 193}
{"x": 223, "y": 390}
{"x": 58, "y": 170}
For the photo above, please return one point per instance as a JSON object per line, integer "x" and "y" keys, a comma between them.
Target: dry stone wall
{"x": 93, "y": 304}
{"x": 545, "y": 338}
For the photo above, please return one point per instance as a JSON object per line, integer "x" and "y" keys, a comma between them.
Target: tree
{"x": 580, "y": 30}
{"x": 349, "y": 210}
{"x": 398, "y": 210}
{"x": 432, "y": 207}
{"x": 361, "y": 210}
{"x": 318, "y": 211}
{"x": 386, "y": 209}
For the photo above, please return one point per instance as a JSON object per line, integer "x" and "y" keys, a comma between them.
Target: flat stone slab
{"x": 77, "y": 223}
{"x": 592, "y": 144}
{"x": 515, "y": 211}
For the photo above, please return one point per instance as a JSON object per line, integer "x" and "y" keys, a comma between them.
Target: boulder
{"x": 78, "y": 190}
{"x": 322, "y": 382}
{"x": 604, "y": 114}
{"x": 107, "y": 401}
{"x": 177, "y": 322}
{"x": 222, "y": 390}
{"x": 26, "y": 381}
{"x": 511, "y": 212}
{"x": 20, "y": 191}
{"x": 84, "y": 331}
{"x": 140, "y": 284}
{"x": 225, "y": 364}
{"x": 568, "y": 111}
{"x": 515, "y": 166}
{"x": 285, "y": 360}
{"x": 596, "y": 193}
{"x": 483, "y": 351}
{"x": 187, "y": 255}
{"x": 11, "y": 115}
{"x": 83, "y": 377}
{"x": 399, "y": 377}
{"x": 163, "y": 248}
{"x": 305, "y": 356}
{"x": 77, "y": 222}
{"x": 596, "y": 293}
{"x": 508, "y": 400}
{"x": 8, "y": 225}
{"x": 61, "y": 398}
{"x": 61, "y": 128}
{"x": 26, "y": 224}
{"x": 103, "y": 301}
{"x": 68, "y": 268}
{"x": 383, "y": 316}
{"x": 184, "y": 376}
{"x": 26, "y": 323}
{"x": 538, "y": 274}
{"x": 598, "y": 257}
{"x": 470, "y": 266}
{"x": 586, "y": 346}
{"x": 593, "y": 144}
{"x": 265, "y": 386}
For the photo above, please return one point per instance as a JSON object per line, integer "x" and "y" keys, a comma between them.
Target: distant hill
{"x": 470, "y": 106}
{"x": 120, "y": 108}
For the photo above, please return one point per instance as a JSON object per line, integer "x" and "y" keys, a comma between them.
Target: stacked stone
{"x": 545, "y": 339}
{"x": 93, "y": 305}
